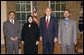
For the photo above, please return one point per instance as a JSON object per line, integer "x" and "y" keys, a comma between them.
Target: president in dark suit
{"x": 48, "y": 30}
{"x": 11, "y": 29}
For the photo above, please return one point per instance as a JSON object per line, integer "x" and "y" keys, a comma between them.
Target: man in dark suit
{"x": 11, "y": 29}
{"x": 48, "y": 30}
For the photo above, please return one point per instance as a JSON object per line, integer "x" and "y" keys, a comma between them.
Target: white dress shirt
{"x": 48, "y": 17}
{"x": 11, "y": 21}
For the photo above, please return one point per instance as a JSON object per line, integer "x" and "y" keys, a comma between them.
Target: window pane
{"x": 23, "y": 21}
{"x": 57, "y": 2}
{"x": 17, "y": 7}
{"x": 61, "y": 16}
{"x": 18, "y": 16}
{"x": 52, "y": 1}
{"x": 20, "y": 21}
{"x": 58, "y": 14}
{"x": 22, "y": 7}
{"x": 28, "y": 7}
{"x": 23, "y": 16}
{"x": 22, "y": 1}
{"x": 28, "y": 14}
{"x": 17, "y": 1}
{"x": 27, "y": 1}
{"x": 63, "y": 7}
{"x": 54, "y": 13}
{"x": 63, "y": 2}
{"x": 57, "y": 7}
{"x": 53, "y": 7}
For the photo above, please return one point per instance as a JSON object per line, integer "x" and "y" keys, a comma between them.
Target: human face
{"x": 30, "y": 20}
{"x": 35, "y": 13}
{"x": 48, "y": 12}
{"x": 12, "y": 16}
{"x": 66, "y": 14}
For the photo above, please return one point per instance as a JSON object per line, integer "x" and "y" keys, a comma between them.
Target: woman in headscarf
{"x": 30, "y": 35}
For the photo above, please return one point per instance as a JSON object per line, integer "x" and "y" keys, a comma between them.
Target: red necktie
{"x": 47, "y": 23}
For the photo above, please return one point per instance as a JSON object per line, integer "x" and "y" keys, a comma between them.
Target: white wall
{"x": 3, "y": 18}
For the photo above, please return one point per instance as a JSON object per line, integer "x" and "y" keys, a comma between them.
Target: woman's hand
{"x": 22, "y": 42}
{"x": 40, "y": 38}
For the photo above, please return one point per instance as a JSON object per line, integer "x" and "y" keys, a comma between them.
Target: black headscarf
{"x": 28, "y": 18}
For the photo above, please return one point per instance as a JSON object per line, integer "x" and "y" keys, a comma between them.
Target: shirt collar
{"x": 47, "y": 17}
{"x": 11, "y": 20}
{"x": 66, "y": 19}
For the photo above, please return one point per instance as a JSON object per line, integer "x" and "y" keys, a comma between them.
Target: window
{"x": 57, "y": 8}
{"x": 23, "y": 9}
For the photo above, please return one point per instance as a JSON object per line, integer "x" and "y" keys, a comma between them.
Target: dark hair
{"x": 28, "y": 17}
{"x": 67, "y": 10}
{"x": 12, "y": 12}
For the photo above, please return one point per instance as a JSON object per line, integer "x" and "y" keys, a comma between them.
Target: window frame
{"x": 25, "y": 12}
{"x": 60, "y": 11}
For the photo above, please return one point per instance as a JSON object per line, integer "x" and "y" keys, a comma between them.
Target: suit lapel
{"x": 9, "y": 22}
{"x": 44, "y": 21}
{"x": 50, "y": 22}
{"x": 69, "y": 25}
{"x": 64, "y": 25}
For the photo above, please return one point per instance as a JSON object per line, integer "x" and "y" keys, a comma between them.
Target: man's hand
{"x": 75, "y": 43}
{"x": 14, "y": 39}
{"x": 59, "y": 42}
{"x": 36, "y": 42}
{"x": 40, "y": 38}
{"x": 55, "y": 39}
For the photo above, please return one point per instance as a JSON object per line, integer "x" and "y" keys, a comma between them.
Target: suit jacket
{"x": 11, "y": 30}
{"x": 67, "y": 35}
{"x": 51, "y": 32}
